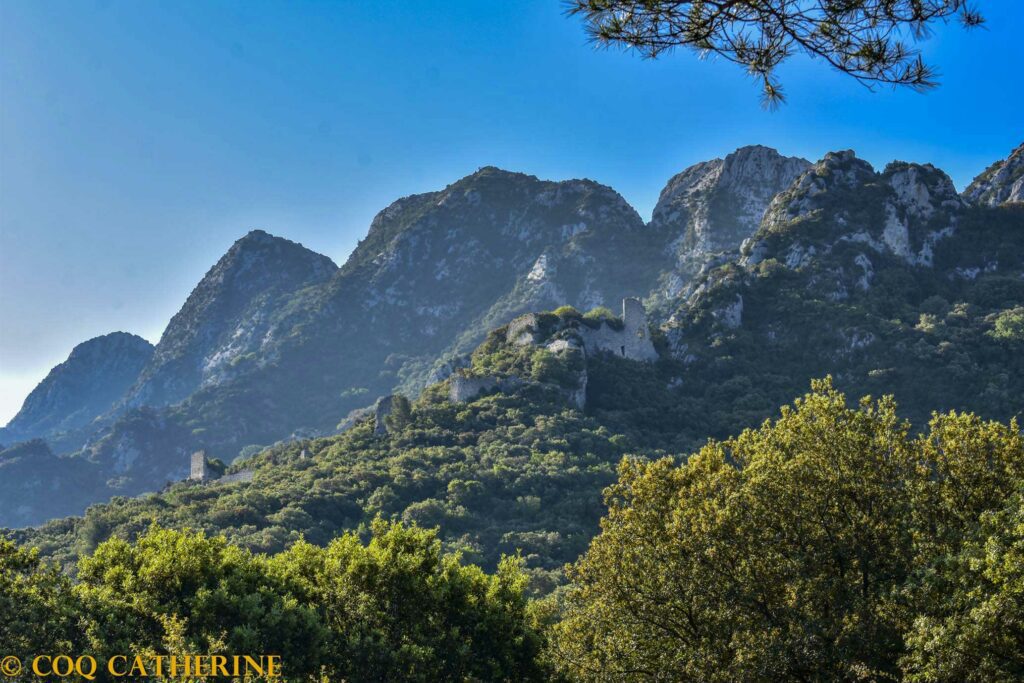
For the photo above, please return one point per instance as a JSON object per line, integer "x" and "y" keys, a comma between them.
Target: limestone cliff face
{"x": 1000, "y": 183}
{"x": 711, "y": 207}
{"x": 834, "y": 252}
{"x": 225, "y": 322}
{"x": 842, "y": 204}
{"x": 86, "y": 385}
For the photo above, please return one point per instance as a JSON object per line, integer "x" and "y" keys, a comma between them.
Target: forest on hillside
{"x": 831, "y": 543}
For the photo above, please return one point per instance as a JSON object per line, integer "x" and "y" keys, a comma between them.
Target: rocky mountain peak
{"x": 716, "y": 201}
{"x": 86, "y": 385}
{"x": 1000, "y": 183}
{"x": 903, "y": 212}
{"x": 709, "y": 209}
{"x": 227, "y": 315}
{"x": 259, "y": 255}
{"x": 758, "y": 168}
{"x": 921, "y": 189}
{"x": 115, "y": 344}
{"x": 837, "y": 169}
{"x": 837, "y": 173}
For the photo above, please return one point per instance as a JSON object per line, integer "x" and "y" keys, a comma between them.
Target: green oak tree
{"x": 811, "y": 548}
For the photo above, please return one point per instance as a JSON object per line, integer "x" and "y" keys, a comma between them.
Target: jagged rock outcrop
{"x": 889, "y": 281}
{"x": 226, "y": 322}
{"x": 1000, "y": 183}
{"x": 711, "y": 207}
{"x": 903, "y": 211}
{"x": 93, "y": 378}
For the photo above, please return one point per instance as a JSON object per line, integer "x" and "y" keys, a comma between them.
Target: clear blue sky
{"x": 139, "y": 139}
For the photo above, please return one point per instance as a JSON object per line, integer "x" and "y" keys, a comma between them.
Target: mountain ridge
{"x": 83, "y": 387}
{"x": 224, "y": 315}
{"x": 438, "y": 270}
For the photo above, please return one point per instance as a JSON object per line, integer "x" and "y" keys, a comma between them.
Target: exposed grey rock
{"x": 904, "y": 211}
{"x": 712, "y": 207}
{"x": 226, "y": 322}
{"x": 445, "y": 368}
{"x": 1000, "y": 183}
{"x": 732, "y": 315}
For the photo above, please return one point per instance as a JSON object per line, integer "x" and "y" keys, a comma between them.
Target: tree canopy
{"x": 828, "y": 545}
{"x": 867, "y": 39}
{"x": 394, "y": 609}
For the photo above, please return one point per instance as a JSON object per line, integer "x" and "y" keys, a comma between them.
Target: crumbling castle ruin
{"x": 381, "y": 409}
{"x": 463, "y": 389}
{"x": 200, "y": 472}
{"x": 631, "y": 339}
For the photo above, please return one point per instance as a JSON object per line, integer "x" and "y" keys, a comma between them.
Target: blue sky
{"x": 138, "y": 140}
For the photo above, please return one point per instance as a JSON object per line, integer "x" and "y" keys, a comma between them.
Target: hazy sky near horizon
{"x": 138, "y": 140}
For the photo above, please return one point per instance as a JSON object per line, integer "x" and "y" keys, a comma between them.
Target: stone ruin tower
{"x": 199, "y": 471}
{"x": 637, "y": 343}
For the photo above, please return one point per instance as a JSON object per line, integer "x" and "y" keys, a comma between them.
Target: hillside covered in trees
{"x": 828, "y": 544}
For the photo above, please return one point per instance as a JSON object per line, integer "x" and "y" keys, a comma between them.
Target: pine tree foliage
{"x": 866, "y": 39}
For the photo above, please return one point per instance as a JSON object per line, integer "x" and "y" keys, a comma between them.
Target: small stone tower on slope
{"x": 199, "y": 471}
{"x": 637, "y": 341}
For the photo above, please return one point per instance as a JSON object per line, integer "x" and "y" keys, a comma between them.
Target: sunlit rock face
{"x": 1000, "y": 183}
{"x": 712, "y": 207}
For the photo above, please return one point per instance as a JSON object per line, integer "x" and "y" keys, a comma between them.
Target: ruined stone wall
{"x": 242, "y": 475}
{"x": 633, "y": 341}
{"x": 464, "y": 389}
{"x": 522, "y": 330}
